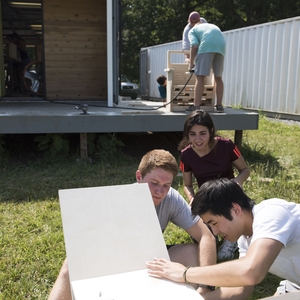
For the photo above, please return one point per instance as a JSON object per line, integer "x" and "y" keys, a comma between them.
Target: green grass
{"x": 32, "y": 245}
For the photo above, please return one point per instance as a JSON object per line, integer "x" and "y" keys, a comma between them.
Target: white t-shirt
{"x": 185, "y": 35}
{"x": 279, "y": 220}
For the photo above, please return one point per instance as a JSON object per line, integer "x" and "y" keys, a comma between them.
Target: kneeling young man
{"x": 268, "y": 236}
{"x": 158, "y": 168}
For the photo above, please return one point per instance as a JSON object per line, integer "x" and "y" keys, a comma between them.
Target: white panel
{"x": 262, "y": 66}
{"x": 110, "y": 230}
{"x": 157, "y": 62}
{"x": 136, "y": 285}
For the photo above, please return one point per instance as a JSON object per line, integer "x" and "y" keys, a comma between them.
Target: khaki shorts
{"x": 204, "y": 62}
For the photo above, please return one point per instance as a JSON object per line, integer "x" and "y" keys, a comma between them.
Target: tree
{"x": 146, "y": 23}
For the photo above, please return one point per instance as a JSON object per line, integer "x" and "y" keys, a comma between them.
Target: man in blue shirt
{"x": 207, "y": 52}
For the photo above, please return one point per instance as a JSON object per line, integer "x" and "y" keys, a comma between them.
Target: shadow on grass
{"x": 262, "y": 160}
{"x": 40, "y": 180}
{"x": 34, "y": 179}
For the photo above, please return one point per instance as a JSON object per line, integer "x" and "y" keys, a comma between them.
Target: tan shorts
{"x": 204, "y": 62}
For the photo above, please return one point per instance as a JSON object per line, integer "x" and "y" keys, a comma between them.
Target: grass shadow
{"x": 261, "y": 160}
{"x": 40, "y": 180}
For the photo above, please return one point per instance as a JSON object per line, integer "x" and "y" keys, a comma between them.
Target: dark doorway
{"x": 22, "y": 25}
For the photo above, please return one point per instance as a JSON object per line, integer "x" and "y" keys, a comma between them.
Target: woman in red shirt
{"x": 207, "y": 156}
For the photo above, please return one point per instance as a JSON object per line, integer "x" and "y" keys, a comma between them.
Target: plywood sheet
{"x": 136, "y": 285}
{"x": 75, "y": 38}
{"x": 110, "y": 230}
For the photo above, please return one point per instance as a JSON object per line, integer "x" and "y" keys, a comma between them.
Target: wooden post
{"x": 83, "y": 146}
{"x": 238, "y": 135}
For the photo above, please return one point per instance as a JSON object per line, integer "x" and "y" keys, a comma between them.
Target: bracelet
{"x": 210, "y": 287}
{"x": 184, "y": 275}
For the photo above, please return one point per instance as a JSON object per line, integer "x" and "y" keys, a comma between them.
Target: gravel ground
{"x": 288, "y": 122}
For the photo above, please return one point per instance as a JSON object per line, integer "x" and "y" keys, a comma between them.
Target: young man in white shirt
{"x": 268, "y": 236}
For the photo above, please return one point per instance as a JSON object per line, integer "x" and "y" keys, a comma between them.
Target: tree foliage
{"x": 146, "y": 23}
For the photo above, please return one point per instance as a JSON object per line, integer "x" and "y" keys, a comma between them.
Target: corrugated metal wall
{"x": 156, "y": 60}
{"x": 262, "y": 66}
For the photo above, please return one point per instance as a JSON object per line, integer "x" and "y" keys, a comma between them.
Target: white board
{"x": 137, "y": 285}
{"x": 110, "y": 232}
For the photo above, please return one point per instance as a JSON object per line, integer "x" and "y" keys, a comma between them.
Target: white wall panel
{"x": 157, "y": 63}
{"x": 262, "y": 66}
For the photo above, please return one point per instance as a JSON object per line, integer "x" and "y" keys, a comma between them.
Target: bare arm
{"x": 243, "y": 170}
{"x": 243, "y": 272}
{"x": 186, "y": 43}
{"x": 246, "y": 271}
{"x": 188, "y": 186}
{"x": 62, "y": 288}
{"x": 206, "y": 241}
{"x": 193, "y": 53}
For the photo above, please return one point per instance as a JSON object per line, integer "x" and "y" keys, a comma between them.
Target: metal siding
{"x": 262, "y": 67}
{"x": 157, "y": 63}
{"x": 261, "y": 70}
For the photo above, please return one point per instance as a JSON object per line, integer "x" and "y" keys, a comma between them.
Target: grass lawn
{"x": 32, "y": 246}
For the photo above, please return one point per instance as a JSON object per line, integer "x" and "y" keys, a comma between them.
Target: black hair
{"x": 217, "y": 197}
{"x": 161, "y": 79}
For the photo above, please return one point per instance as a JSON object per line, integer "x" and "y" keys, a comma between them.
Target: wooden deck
{"x": 29, "y": 116}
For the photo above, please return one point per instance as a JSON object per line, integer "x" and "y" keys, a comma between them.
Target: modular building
{"x": 77, "y": 51}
